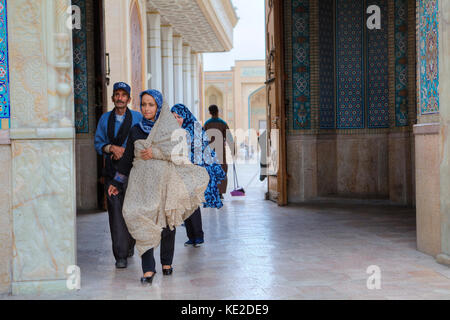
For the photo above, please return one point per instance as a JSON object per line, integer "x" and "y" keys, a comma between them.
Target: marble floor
{"x": 257, "y": 250}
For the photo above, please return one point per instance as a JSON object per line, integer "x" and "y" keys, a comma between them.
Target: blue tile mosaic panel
{"x": 377, "y": 80}
{"x": 301, "y": 65}
{"x": 401, "y": 63}
{"x": 5, "y": 108}
{"x": 326, "y": 35}
{"x": 79, "y": 37}
{"x": 349, "y": 64}
{"x": 428, "y": 56}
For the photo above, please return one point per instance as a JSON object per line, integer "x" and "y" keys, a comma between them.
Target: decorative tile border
{"x": 350, "y": 64}
{"x": 428, "y": 59}
{"x": 80, "y": 72}
{"x": 327, "y": 76}
{"x": 377, "y": 71}
{"x": 301, "y": 65}
{"x": 401, "y": 63}
{"x": 5, "y": 107}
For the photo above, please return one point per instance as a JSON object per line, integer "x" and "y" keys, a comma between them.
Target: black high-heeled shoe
{"x": 147, "y": 280}
{"x": 167, "y": 272}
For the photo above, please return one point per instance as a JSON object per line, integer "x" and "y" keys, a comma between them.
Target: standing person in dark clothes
{"x": 216, "y": 123}
{"x": 204, "y": 157}
{"x": 110, "y": 141}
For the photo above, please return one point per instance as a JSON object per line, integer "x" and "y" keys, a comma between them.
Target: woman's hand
{"x": 147, "y": 154}
{"x": 112, "y": 190}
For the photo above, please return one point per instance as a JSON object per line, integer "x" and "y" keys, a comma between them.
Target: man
{"x": 110, "y": 141}
{"x": 216, "y": 123}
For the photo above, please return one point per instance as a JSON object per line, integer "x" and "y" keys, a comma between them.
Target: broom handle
{"x": 236, "y": 182}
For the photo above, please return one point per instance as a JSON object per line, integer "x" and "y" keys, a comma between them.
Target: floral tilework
{"x": 80, "y": 72}
{"x": 428, "y": 56}
{"x": 5, "y": 110}
{"x": 301, "y": 65}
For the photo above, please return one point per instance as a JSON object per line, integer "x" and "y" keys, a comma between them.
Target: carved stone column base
{"x": 39, "y": 287}
{"x": 443, "y": 259}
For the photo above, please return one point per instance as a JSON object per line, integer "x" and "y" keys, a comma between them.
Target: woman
{"x": 164, "y": 188}
{"x": 202, "y": 155}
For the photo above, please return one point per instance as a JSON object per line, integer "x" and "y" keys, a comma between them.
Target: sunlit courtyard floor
{"x": 256, "y": 250}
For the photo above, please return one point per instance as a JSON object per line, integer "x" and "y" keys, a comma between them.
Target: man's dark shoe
{"x": 121, "y": 263}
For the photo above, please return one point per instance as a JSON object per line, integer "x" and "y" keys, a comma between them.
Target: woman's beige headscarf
{"x": 164, "y": 191}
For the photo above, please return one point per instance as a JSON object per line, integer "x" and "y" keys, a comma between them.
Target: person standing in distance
{"x": 110, "y": 141}
{"x": 216, "y": 123}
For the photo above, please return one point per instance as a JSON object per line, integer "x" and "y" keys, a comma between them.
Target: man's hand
{"x": 112, "y": 190}
{"x": 117, "y": 152}
{"x": 147, "y": 154}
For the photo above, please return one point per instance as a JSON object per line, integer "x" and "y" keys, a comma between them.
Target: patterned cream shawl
{"x": 164, "y": 191}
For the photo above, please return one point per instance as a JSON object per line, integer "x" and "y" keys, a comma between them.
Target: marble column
{"x": 167, "y": 63}
{"x": 42, "y": 145}
{"x": 187, "y": 88}
{"x": 5, "y": 213}
{"x": 5, "y": 160}
{"x": 178, "y": 68}
{"x": 194, "y": 84}
{"x": 154, "y": 50}
{"x": 444, "y": 96}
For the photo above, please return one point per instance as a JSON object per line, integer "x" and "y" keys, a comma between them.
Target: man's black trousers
{"x": 122, "y": 241}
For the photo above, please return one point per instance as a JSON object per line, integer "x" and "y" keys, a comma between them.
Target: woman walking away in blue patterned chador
{"x": 202, "y": 155}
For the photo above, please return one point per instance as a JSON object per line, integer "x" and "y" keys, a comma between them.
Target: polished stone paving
{"x": 257, "y": 250}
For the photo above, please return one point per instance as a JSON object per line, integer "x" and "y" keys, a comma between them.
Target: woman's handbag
{"x": 238, "y": 191}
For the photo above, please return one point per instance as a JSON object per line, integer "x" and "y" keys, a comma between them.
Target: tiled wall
{"x": 355, "y": 67}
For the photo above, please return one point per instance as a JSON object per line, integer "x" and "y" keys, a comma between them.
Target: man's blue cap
{"x": 123, "y": 86}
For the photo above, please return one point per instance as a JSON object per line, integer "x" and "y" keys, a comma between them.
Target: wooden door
{"x": 276, "y": 123}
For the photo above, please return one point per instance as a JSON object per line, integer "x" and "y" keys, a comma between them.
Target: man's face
{"x": 120, "y": 98}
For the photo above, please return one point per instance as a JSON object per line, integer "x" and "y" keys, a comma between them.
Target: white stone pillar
{"x": 167, "y": 63}
{"x": 154, "y": 50}
{"x": 178, "y": 68}
{"x": 187, "y": 89}
{"x": 42, "y": 146}
{"x": 194, "y": 84}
